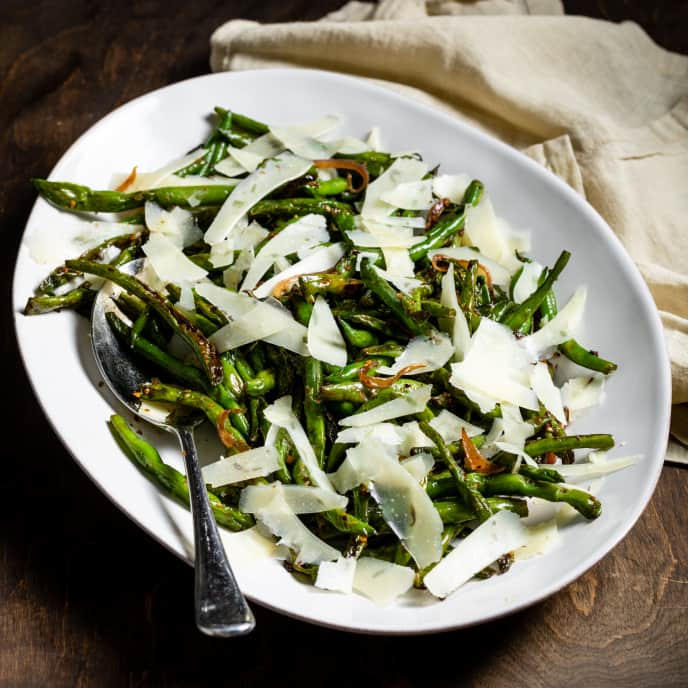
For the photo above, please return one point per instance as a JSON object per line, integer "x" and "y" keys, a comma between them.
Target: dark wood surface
{"x": 87, "y": 599}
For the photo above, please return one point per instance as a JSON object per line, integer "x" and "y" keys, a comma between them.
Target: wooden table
{"x": 87, "y": 599}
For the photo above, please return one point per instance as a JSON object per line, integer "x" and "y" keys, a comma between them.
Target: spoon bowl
{"x": 221, "y": 609}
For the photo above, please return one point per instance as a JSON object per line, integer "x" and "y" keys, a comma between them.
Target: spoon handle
{"x": 221, "y": 609}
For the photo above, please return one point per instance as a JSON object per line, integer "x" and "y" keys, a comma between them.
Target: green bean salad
{"x": 381, "y": 357}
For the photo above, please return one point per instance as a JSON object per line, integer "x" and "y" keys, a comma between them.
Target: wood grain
{"x": 87, "y": 599}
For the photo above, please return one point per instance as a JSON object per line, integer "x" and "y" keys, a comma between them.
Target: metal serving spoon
{"x": 221, "y": 609}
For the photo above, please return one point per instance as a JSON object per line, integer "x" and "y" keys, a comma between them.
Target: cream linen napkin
{"x": 598, "y": 103}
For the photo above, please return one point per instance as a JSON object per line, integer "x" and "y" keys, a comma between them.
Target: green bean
{"x": 470, "y": 496}
{"x": 328, "y": 283}
{"x": 248, "y": 124}
{"x": 350, "y": 371}
{"x": 514, "y": 484}
{"x": 571, "y": 442}
{"x": 204, "y": 350}
{"x": 315, "y": 420}
{"x": 515, "y": 318}
{"x": 331, "y": 187}
{"x": 571, "y": 348}
{"x": 147, "y": 458}
{"x": 376, "y": 162}
{"x": 299, "y": 206}
{"x": 180, "y": 371}
{"x": 388, "y": 295}
{"x": 389, "y": 349}
{"x": 78, "y": 198}
{"x": 585, "y": 358}
{"x": 454, "y": 511}
{"x": 157, "y": 391}
{"x": 61, "y": 275}
{"x": 449, "y": 226}
{"x": 78, "y": 297}
{"x": 356, "y": 337}
{"x": 216, "y": 149}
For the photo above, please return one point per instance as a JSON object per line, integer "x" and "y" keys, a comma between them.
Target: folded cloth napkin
{"x": 598, "y": 103}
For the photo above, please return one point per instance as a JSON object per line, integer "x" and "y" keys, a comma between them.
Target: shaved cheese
{"x": 547, "y": 392}
{"x": 494, "y": 435}
{"x": 231, "y": 303}
{"x": 291, "y": 532}
{"x": 491, "y": 235}
{"x": 364, "y": 255}
{"x": 229, "y": 167}
{"x": 397, "y": 221}
{"x": 307, "y": 231}
{"x": 246, "y": 160}
{"x": 169, "y": 262}
{"x": 248, "y": 236}
{"x": 433, "y": 351}
{"x": 542, "y": 538}
{"x": 253, "y": 463}
{"x": 495, "y": 369}
{"x": 400, "y": 171}
{"x": 281, "y": 414}
{"x": 581, "y": 393}
{"x": 527, "y": 281}
{"x": 314, "y": 128}
{"x": 381, "y": 581}
{"x": 514, "y": 429}
{"x": 405, "y": 505}
{"x": 450, "y": 426}
{"x": 291, "y": 335}
{"x": 418, "y": 466}
{"x": 302, "y": 499}
{"x": 350, "y": 146}
{"x": 156, "y": 178}
{"x": 186, "y": 298}
{"x": 383, "y": 237}
{"x": 292, "y": 338}
{"x": 150, "y": 278}
{"x": 325, "y": 341}
{"x": 413, "y": 402}
{"x": 501, "y": 533}
{"x": 49, "y": 247}
{"x": 412, "y": 437}
{"x": 410, "y": 195}
{"x": 177, "y": 224}
{"x": 281, "y": 263}
{"x": 457, "y": 326}
{"x": 320, "y": 260}
{"x": 249, "y": 191}
{"x": 245, "y": 236}
{"x": 403, "y": 438}
{"x": 249, "y": 159}
{"x": 451, "y": 186}
{"x": 398, "y": 262}
{"x": 508, "y": 434}
{"x": 559, "y": 329}
{"x": 500, "y": 275}
{"x": 374, "y": 142}
{"x": 337, "y": 575}
{"x": 402, "y": 283}
{"x": 234, "y": 274}
{"x": 197, "y": 180}
{"x": 303, "y": 139}
{"x": 575, "y": 472}
{"x": 516, "y": 451}
{"x": 305, "y": 146}
{"x": 261, "y": 321}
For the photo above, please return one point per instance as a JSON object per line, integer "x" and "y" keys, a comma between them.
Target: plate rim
{"x": 581, "y": 204}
